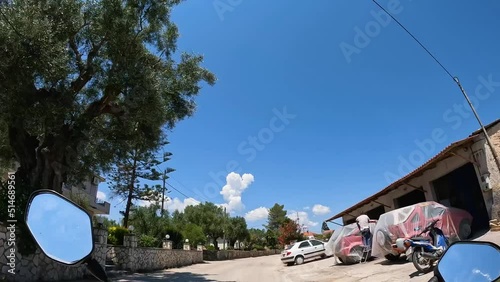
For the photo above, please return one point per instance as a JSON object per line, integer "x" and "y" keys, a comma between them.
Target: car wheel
{"x": 299, "y": 260}
{"x": 464, "y": 229}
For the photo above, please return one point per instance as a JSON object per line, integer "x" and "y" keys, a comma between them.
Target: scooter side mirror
{"x": 62, "y": 229}
{"x": 469, "y": 261}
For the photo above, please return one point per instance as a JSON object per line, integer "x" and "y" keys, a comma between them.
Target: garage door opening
{"x": 461, "y": 189}
{"x": 376, "y": 212}
{"x": 414, "y": 197}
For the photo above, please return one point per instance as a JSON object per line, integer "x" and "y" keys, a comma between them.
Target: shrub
{"x": 148, "y": 241}
{"x": 116, "y": 234}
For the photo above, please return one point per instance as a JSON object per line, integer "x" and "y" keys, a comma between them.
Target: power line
{"x": 418, "y": 41}
{"x": 457, "y": 81}
{"x": 191, "y": 190}
{"x": 179, "y": 191}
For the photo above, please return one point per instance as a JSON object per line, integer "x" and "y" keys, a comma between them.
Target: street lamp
{"x": 131, "y": 228}
{"x": 167, "y": 237}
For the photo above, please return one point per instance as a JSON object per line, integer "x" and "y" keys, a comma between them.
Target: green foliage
{"x": 178, "y": 220}
{"x": 148, "y": 241}
{"x": 134, "y": 165}
{"x": 257, "y": 238}
{"x": 106, "y": 222}
{"x": 208, "y": 216}
{"x": 236, "y": 230}
{"x": 146, "y": 220}
{"x": 210, "y": 248}
{"x": 194, "y": 234}
{"x": 80, "y": 79}
{"x": 176, "y": 237}
{"x": 276, "y": 218}
{"x": 116, "y": 234}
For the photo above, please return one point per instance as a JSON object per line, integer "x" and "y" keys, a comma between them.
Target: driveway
{"x": 270, "y": 268}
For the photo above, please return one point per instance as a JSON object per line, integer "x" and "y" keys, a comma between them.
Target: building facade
{"x": 463, "y": 175}
{"x": 85, "y": 193}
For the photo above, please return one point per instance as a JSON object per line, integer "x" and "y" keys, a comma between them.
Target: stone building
{"x": 463, "y": 175}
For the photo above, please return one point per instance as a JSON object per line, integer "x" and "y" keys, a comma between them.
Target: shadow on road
{"x": 418, "y": 273}
{"x": 393, "y": 262}
{"x": 166, "y": 276}
{"x": 477, "y": 234}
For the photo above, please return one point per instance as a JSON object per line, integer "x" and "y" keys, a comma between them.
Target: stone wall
{"x": 149, "y": 259}
{"x": 235, "y": 254}
{"x": 39, "y": 267}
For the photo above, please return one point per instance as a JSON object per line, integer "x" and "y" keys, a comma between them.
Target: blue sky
{"x": 352, "y": 119}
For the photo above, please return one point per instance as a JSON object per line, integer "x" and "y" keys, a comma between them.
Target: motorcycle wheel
{"x": 421, "y": 264}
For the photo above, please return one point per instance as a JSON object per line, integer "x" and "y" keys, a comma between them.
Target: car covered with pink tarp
{"x": 348, "y": 244}
{"x": 408, "y": 222}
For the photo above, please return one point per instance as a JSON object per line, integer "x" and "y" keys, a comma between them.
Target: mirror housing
{"x": 469, "y": 261}
{"x": 61, "y": 228}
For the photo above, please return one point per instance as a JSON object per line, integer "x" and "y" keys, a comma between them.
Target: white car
{"x": 303, "y": 250}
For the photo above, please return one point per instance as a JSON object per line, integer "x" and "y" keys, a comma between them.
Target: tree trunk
{"x": 42, "y": 165}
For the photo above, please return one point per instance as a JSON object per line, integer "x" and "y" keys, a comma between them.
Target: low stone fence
{"x": 236, "y": 254}
{"x": 149, "y": 259}
{"x": 39, "y": 267}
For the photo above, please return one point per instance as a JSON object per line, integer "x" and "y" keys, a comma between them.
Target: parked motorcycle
{"x": 469, "y": 261}
{"x": 424, "y": 251}
{"x": 63, "y": 230}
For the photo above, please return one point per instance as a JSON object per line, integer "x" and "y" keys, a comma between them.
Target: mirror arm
{"x": 96, "y": 269}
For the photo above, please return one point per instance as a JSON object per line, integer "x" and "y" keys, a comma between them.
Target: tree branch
{"x": 79, "y": 61}
{"x": 86, "y": 75}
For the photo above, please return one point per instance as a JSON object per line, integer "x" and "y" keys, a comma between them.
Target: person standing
{"x": 363, "y": 222}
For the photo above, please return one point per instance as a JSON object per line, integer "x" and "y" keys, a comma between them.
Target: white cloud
{"x": 172, "y": 204}
{"x": 303, "y": 218}
{"x": 176, "y": 204}
{"x": 257, "y": 214}
{"x": 320, "y": 209}
{"x": 307, "y": 208}
{"x": 232, "y": 191}
{"x": 101, "y": 196}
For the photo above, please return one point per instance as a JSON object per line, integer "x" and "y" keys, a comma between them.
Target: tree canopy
{"x": 80, "y": 77}
{"x": 276, "y": 218}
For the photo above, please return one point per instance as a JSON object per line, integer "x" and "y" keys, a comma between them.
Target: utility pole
{"x": 486, "y": 135}
{"x": 163, "y": 191}
{"x": 224, "y": 231}
{"x": 165, "y": 177}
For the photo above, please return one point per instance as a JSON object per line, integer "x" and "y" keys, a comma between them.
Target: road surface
{"x": 270, "y": 269}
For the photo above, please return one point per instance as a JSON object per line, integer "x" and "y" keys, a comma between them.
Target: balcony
{"x": 86, "y": 197}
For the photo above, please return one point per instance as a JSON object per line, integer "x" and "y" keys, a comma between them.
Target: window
{"x": 304, "y": 245}
{"x": 316, "y": 243}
